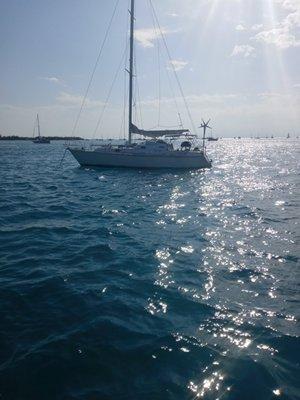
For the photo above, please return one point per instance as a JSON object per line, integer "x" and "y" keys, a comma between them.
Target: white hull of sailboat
{"x": 176, "y": 159}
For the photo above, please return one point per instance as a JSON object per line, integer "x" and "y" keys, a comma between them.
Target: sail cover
{"x": 158, "y": 133}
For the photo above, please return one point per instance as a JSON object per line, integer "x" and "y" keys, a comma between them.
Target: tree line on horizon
{"x": 16, "y": 137}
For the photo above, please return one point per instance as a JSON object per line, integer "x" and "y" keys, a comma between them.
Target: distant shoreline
{"x": 15, "y": 137}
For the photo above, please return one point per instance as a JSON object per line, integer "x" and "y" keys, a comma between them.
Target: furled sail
{"x": 158, "y": 133}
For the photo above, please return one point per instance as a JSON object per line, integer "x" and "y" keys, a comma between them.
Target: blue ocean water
{"x": 127, "y": 284}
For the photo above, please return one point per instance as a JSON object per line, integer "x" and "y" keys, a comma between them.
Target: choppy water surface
{"x": 126, "y": 284}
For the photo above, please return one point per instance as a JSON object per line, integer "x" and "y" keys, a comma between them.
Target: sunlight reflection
{"x": 164, "y": 278}
{"x": 210, "y": 384}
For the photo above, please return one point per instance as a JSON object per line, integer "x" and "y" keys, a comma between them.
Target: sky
{"x": 237, "y": 62}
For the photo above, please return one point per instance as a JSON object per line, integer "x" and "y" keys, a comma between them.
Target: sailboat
{"x": 213, "y": 139}
{"x": 205, "y": 125}
{"x": 155, "y": 151}
{"x": 39, "y": 139}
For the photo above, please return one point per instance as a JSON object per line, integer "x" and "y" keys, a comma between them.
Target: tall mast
{"x": 131, "y": 70}
{"x": 38, "y": 124}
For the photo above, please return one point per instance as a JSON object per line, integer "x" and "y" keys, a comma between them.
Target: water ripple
{"x": 150, "y": 284}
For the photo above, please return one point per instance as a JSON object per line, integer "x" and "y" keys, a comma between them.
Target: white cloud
{"x": 290, "y": 4}
{"x": 240, "y": 27}
{"x": 244, "y": 50}
{"x": 269, "y": 95}
{"x": 285, "y": 33}
{"x": 232, "y": 114}
{"x": 280, "y": 37}
{"x": 204, "y": 100}
{"x": 146, "y": 37}
{"x": 52, "y": 79}
{"x": 292, "y": 20}
{"x": 178, "y": 65}
{"x": 73, "y": 100}
{"x": 256, "y": 27}
{"x": 243, "y": 28}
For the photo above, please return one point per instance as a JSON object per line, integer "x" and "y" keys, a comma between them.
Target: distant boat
{"x": 288, "y": 136}
{"x": 210, "y": 138}
{"x": 39, "y": 139}
{"x": 152, "y": 153}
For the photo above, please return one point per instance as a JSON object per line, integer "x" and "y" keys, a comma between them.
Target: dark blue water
{"x": 126, "y": 284}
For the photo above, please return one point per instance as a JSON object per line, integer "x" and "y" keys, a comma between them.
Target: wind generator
{"x": 204, "y": 126}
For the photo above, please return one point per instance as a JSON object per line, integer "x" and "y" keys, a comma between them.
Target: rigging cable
{"x": 157, "y": 33}
{"x": 134, "y": 96}
{"x": 158, "y": 69}
{"x": 109, "y": 93}
{"x": 123, "y": 125}
{"x": 172, "y": 65}
{"x": 122, "y": 131}
{"x": 95, "y": 66}
{"x": 159, "y": 84}
{"x": 34, "y": 127}
{"x": 137, "y": 95}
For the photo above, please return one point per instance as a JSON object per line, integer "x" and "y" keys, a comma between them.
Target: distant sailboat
{"x": 205, "y": 125}
{"x": 154, "y": 151}
{"x": 39, "y": 139}
{"x": 288, "y": 136}
{"x": 212, "y": 139}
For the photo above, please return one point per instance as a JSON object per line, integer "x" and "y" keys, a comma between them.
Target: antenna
{"x": 204, "y": 125}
